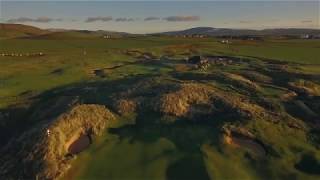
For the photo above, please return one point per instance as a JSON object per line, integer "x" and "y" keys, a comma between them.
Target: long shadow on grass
{"x": 48, "y": 105}
{"x": 188, "y": 137}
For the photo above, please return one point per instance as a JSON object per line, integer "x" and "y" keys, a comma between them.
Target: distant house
{"x": 242, "y": 37}
{"x": 306, "y": 36}
{"x": 192, "y": 36}
{"x": 106, "y": 37}
{"x": 199, "y": 36}
{"x": 225, "y": 41}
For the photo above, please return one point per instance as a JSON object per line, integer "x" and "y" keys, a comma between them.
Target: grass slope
{"x": 19, "y": 30}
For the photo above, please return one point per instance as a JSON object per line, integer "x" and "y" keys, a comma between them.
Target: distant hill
{"x": 80, "y": 34}
{"x": 240, "y": 32}
{"x": 19, "y": 30}
{"x": 25, "y": 31}
{"x": 69, "y": 34}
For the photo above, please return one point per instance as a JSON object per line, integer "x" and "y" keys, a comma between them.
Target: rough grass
{"x": 307, "y": 87}
{"x": 44, "y": 155}
{"x": 258, "y": 77}
{"x": 241, "y": 82}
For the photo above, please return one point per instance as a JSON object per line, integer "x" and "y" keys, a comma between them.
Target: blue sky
{"x": 155, "y": 16}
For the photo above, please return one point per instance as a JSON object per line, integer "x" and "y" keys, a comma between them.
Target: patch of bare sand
{"x": 79, "y": 144}
{"x": 241, "y": 138}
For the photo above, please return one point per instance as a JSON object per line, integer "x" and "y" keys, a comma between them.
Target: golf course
{"x": 84, "y": 105}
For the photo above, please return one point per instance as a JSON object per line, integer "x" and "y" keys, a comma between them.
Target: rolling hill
{"x": 80, "y": 34}
{"x": 19, "y": 30}
{"x": 8, "y": 31}
{"x": 239, "y": 32}
{"x": 25, "y": 31}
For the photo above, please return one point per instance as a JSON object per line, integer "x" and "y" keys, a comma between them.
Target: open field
{"x": 251, "y": 115}
{"x": 21, "y": 74}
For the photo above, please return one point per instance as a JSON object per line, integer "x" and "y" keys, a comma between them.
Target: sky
{"x": 158, "y": 16}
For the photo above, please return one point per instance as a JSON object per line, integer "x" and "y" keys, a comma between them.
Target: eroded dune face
{"x": 195, "y": 98}
{"x": 187, "y": 100}
{"x": 242, "y": 138}
{"x": 305, "y": 87}
{"x": 42, "y": 152}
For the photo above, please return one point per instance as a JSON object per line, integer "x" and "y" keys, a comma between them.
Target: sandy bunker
{"x": 80, "y": 144}
{"x": 252, "y": 145}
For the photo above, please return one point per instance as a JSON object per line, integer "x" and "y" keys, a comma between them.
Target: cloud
{"x": 38, "y": 20}
{"x": 306, "y": 21}
{"x": 20, "y": 20}
{"x": 44, "y": 19}
{"x": 181, "y": 18}
{"x": 151, "y": 18}
{"x": 99, "y": 18}
{"x": 124, "y": 19}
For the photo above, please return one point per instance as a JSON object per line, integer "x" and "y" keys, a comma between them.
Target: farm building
{"x": 225, "y": 41}
{"x": 106, "y": 37}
